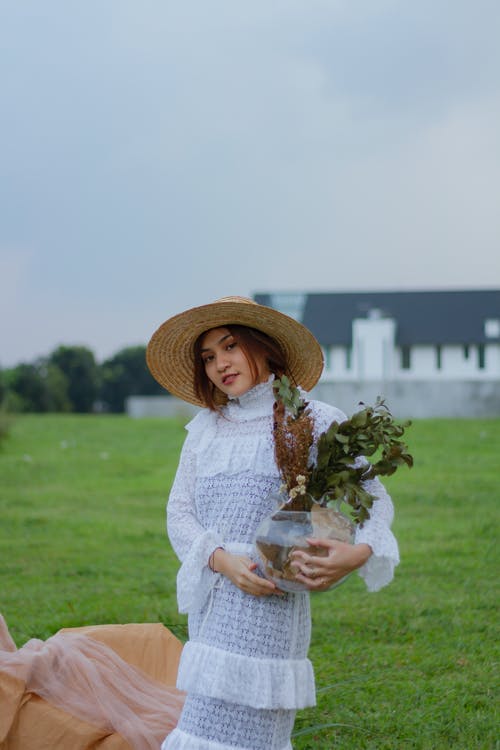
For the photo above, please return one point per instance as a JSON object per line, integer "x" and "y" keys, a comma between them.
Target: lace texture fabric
{"x": 256, "y": 728}
{"x": 241, "y": 647}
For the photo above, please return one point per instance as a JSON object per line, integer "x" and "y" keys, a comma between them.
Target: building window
{"x": 405, "y": 358}
{"x": 466, "y": 351}
{"x": 439, "y": 358}
{"x": 348, "y": 358}
{"x": 481, "y": 357}
{"x": 492, "y": 328}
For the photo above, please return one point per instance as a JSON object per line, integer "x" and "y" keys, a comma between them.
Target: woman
{"x": 245, "y": 666}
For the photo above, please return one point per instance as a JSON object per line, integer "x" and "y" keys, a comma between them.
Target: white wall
{"x": 493, "y": 359}
{"x": 336, "y": 362}
{"x": 417, "y": 398}
{"x": 422, "y": 363}
{"x": 159, "y": 406}
{"x": 373, "y": 348}
{"x": 375, "y": 360}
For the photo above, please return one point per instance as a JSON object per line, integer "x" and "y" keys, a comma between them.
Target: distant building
{"x": 444, "y": 345}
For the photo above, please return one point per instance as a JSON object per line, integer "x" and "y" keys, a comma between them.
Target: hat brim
{"x": 170, "y": 352}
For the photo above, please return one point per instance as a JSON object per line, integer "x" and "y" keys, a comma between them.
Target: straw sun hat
{"x": 170, "y": 353}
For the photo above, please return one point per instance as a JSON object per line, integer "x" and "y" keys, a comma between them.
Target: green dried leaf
{"x": 341, "y": 438}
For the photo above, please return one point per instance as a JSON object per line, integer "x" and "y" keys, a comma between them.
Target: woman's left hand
{"x": 319, "y": 573}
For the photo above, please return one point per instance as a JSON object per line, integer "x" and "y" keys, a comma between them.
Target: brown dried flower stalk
{"x": 293, "y": 437}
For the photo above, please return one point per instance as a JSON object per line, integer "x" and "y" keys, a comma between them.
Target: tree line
{"x": 70, "y": 380}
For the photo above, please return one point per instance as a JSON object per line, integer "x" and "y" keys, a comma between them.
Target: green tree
{"x": 126, "y": 374}
{"x": 57, "y": 386}
{"x": 3, "y": 387}
{"x": 26, "y": 389}
{"x": 78, "y": 365}
{"x": 5, "y": 419}
{"x": 36, "y": 387}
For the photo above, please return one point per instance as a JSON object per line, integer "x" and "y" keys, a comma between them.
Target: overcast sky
{"x": 159, "y": 155}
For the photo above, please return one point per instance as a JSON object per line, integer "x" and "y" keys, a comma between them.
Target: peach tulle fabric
{"x": 104, "y": 686}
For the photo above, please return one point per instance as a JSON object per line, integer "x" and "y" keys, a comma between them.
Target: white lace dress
{"x": 245, "y": 667}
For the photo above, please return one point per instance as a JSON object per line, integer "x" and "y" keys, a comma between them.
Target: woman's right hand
{"x": 239, "y": 571}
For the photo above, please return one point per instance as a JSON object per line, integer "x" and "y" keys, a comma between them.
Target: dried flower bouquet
{"x": 348, "y": 453}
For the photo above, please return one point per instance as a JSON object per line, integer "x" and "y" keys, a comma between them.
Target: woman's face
{"x": 226, "y": 364}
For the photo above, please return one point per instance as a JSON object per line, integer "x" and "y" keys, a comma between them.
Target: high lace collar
{"x": 257, "y": 402}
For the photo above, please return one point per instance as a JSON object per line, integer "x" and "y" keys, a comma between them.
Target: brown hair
{"x": 253, "y": 343}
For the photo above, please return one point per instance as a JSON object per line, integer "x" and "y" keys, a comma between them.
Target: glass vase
{"x": 287, "y": 530}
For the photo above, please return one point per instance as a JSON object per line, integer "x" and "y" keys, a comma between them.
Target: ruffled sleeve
{"x": 192, "y": 543}
{"x": 378, "y": 571}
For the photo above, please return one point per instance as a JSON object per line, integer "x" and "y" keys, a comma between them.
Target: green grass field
{"x": 82, "y": 541}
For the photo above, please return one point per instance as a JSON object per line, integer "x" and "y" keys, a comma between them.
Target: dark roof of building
{"x": 427, "y": 317}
